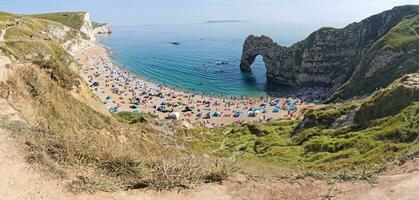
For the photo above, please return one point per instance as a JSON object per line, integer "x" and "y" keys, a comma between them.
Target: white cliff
{"x": 87, "y": 27}
{"x": 102, "y": 29}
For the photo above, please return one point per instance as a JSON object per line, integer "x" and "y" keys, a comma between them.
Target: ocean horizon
{"x": 188, "y": 56}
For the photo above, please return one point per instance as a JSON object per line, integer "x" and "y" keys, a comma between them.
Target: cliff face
{"x": 329, "y": 57}
{"x": 102, "y": 29}
{"x": 87, "y": 27}
{"x": 79, "y": 21}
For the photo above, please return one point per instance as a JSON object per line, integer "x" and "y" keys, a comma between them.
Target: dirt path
{"x": 3, "y": 33}
{"x": 18, "y": 180}
{"x": 399, "y": 186}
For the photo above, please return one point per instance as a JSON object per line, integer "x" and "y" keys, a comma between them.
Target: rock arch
{"x": 253, "y": 47}
{"x": 272, "y": 54}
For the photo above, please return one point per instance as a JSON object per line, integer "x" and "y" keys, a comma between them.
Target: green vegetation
{"x": 325, "y": 144}
{"x": 96, "y": 24}
{"x": 390, "y": 101}
{"x": 72, "y": 19}
{"x": 397, "y": 52}
{"x": 405, "y": 33}
{"x": 47, "y": 54}
{"x": 133, "y": 118}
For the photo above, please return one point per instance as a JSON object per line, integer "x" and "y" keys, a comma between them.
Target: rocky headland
{"x": 101, "y": 28}
{"x": 353, "y": 61}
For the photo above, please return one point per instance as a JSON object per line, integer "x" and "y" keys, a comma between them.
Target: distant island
{"x": 223, "y": 21}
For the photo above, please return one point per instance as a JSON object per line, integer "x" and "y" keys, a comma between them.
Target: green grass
{"x": 274, "y": 149}
{"x": 96, "y": 24}
{"x": 72, "y": 19}
{"x": 133, "y": 118}
{"x": 403, "y": 39}
{"x": 387, "y": 102}
{"x": 49, "y": 55}
{"x": 401, "y": 35}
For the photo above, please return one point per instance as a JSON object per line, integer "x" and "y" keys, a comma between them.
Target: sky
{"x": 140, "y": 12}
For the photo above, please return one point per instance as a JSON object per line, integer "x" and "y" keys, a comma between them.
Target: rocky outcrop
{"x": 87, "y": 27}
{"x": 329, "y": 56}
{"x": 102, "y": 29}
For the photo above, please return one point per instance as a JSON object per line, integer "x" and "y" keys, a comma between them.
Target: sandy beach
{"x": 121, "y": 90}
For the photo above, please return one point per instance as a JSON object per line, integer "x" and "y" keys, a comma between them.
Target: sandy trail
{"x": 399, "y": 186}
{"x": 3, "y": 33}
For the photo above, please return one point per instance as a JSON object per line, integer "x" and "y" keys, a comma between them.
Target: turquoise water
{"x": 191, "y": 65}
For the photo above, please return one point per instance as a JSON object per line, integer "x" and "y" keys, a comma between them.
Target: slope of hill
{"x": 63, "y": 133}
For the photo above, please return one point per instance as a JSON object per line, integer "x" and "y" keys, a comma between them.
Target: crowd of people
{"x": 121, "y": 90}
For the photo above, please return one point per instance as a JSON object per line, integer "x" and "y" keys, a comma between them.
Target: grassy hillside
{"x": 72, "y": 19}
{"x": 96, "y": 24}
{"x": 63, "y": 134}
{"x": 327, "y": 150}
{"x": 391, "y": 100}
{"x": 388, "y": 59}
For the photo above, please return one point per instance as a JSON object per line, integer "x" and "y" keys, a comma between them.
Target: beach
{"x": 123, "y": 91}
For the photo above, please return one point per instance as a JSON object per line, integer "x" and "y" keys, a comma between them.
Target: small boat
{"x": 223, "y": 62}
{"x": 175, "y": 43}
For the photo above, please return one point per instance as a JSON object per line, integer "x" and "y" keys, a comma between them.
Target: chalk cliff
{"x": 101, "y": 28}
{"x": 340, "y": 58}
{"x": 87, "y": 27}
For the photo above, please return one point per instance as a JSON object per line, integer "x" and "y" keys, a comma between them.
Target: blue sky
{"x": 137, "y": 12}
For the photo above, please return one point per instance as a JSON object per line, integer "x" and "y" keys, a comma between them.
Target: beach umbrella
{"x": 133, "y": 107}
{"x": 217, "y": 114}
{"x": 237, "y": 114}
{"x": 266, "y": 101}
{"x": 136, "y": 103}
{"x": 113, "y": 110}
{"x": 276, "y": 110}
{"x": 208, "y": 115}
{"x": 188, "y": 109}
{"x": 174, "y": 115}
{"x": 95, "y": 84}
{"x": 135, "y": 111}
{"x": 161, "y": 109}
{"x": 265, "y": 110}
{"x": 277, "y": 100}
{"x": 108, "y": 97}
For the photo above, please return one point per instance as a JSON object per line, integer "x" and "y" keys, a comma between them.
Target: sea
{"x": 192, "y": 63}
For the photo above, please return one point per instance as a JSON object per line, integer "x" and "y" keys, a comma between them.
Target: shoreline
{"x": 123, "y": 90}
{"x": 225, "y": 97}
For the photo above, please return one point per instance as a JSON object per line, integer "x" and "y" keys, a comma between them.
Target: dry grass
{"x": 64, "y": 135}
